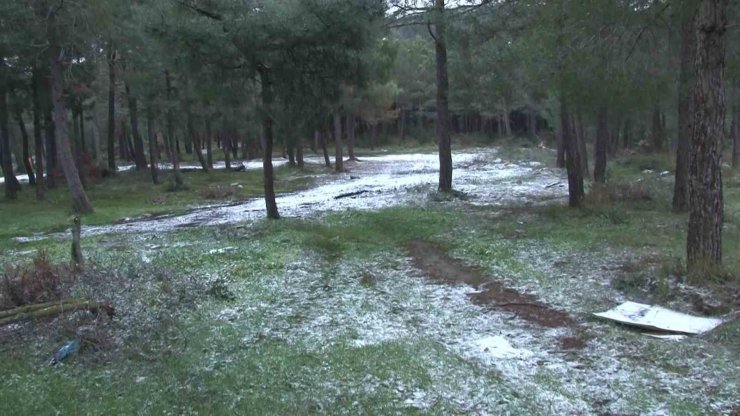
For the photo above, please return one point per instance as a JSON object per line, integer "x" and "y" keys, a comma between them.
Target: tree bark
{"x": 27, "y": 165}
{"x": 685, "y": 111}
{"x": 444, "y": 141}
{"x": 12, "y": 186}
{"x": 152, "y": 136}
{"x": 350, "y": 120}
{"x": 656, "y": 131}
{"x": 572, "y": 158}
{"x": 111, "y": 109}
{"x": 560, "y": 155}
{"x": 267, "y": 143}
{"x": 37, "y": 135}
{"x": 601, "y": 144}
{"x": 133, "y": 106}
{"x": 299, "y": 154}
{"x": 581, "y": 138}
{"x": 209, "y": 144}
{"x": 319, "y": 136}
{"x": 80, "y": 202}
{"x": 174, "y": 150}
{"x": 704, "y": 239}
{"x": 338, "y": 157}
{"x": 51, "y": 141}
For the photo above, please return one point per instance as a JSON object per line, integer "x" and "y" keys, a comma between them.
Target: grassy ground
{"x": 328, "y": 316}
{"x": 132, "y": 194}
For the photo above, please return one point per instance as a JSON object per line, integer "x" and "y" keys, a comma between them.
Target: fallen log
{"x": 44, "y": 310}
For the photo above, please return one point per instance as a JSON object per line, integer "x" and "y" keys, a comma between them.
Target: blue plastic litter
{"x": 67, "y": 350}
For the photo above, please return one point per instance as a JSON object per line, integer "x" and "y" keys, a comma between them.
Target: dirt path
{"x": 436, "y": 264}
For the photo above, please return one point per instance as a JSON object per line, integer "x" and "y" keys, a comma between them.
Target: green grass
{"x": 188, "y": 362}
{"x": 132, "y": 194}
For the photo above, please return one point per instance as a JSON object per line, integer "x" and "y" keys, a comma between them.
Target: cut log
{"x": 44, "y": 310}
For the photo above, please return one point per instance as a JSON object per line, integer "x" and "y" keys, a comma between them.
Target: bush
{"x": 37, "y": 282}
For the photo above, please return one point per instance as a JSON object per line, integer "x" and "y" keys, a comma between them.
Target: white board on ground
{"x": 658, "y": 318}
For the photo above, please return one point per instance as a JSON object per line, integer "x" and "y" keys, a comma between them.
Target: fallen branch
{"x": 350, "y": 194}
{"x": 44, "y": 310}
{"x": 552, "y": 184}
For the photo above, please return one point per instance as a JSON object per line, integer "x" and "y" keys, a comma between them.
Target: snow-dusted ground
{"x": 385, "y": 181}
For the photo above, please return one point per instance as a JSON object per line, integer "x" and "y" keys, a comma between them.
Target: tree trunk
{"x": 27, "y": 165}
{"x": 267, "y": 170}
{"x": 80, "y": 202}
{"x": 11, "y": 182}
{"x": 735, "y": 129}
{"x": 572, "y": 158}
{"x": 209, "y": 144}
{"x": 402, "y": 120}
{"x": 685, "y": 110}
{"x": 299, "y": 154}
{"x": 444, "y": 141}
{"x": 152, "y": 136}
{"x": 76, "y": 146}
{"x": 195, "y": 140}
{"x": 111, "y": 109}
{"x": 704, "y": 239}
{"x": 320, "y": 137}
{"x": 290, "y": 150}
{"x": 37, "y": 135}
{"x": 350, "y": 120}
{"x": 581, "y": 138}
{"x": 51, "y": 141}
{"x": 139, "y": 158}
{"x": 656, "y": 131}
{"x": 338, "y": 157}
{"x": 505, "y": 118}
{"x": 560, "y": 156}
{"x": 174, "y": 150}
{"x": 601, "y": 144}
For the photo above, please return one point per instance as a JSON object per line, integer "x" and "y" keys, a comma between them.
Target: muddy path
{"x": 490, "y": 293}
{"x": 378, "y": 182}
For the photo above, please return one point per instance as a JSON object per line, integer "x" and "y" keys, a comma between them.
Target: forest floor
{"x": 393, "y": 300}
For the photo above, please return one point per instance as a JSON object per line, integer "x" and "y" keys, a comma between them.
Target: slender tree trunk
{"x": 350, "y": 120}
{"x": 572, "y": 158}
{"x": 194, "y": 139}
{"x": 80, "y": 202}
{"x": 299, "y": 154}
{"x": 111, "y": 109}
{"x": 735, "y": 129}
{"x": 133, "y": 106}
{"x": 704, "y": 239}
{"x": 444, "y": 140}
{"x": 267, "y": 142}
{"x": 656, "y": 131}
{"x": 290, "y": 150}
{"x": 11, "y": 182}
{"x": 581, "y": 138}
{"x": 320, "y": 137}
{"x": 51, "y": 143}
{"x": 27, "y": 165}
{"x": 505, "y": 118}
{"x": 37, "y": 135}
{"x": 209, "y": 144}
{"x": 402, "y": 120}
{"x": 685, "y": 110}
{"x": 152, "y": 136}
{"x": 601, "y": 144}
{"x": 83, "y": 141}
{"x": 560, "y": 155}
{"x": 174, "y": 150}
{"x": 76, "y": 146}
{"x": 338, "y": 157}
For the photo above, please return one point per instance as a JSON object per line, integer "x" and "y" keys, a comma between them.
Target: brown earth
{"x": 434, "y": 261}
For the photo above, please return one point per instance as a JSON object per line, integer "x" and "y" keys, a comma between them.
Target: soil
{"x": 434, "y": 261}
